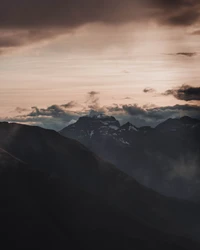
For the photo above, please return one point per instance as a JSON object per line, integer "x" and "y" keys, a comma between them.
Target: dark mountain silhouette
{"x": 80, "y": 169}
{"x": 165, "y": 158}
{"x": 41, "y": 212}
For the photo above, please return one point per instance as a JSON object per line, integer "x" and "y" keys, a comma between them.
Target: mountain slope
{"x": 80, "y": 168}
{"x": 165, "y": 158}
{"x": 39, "y": 212}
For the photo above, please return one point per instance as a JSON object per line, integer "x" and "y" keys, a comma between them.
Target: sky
{"x": 136, "y": 60}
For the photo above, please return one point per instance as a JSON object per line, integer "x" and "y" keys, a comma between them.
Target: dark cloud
{"x": 93, "y": 100}
{"x": 56, "y": 116}
{"x": 185, "y": 93}
{"x": 196, "y": 32}
{"x": 55, "y": 111}
{"x": 189, "y": 54}
{"x": 53, "y": 117}
{"x": 23, "y": 22}
{"x": 142, "y": 116}
{"x": 186, "y": 54}
{"x": 134, "y": 110}
{"x": 69, "y": 105}
{"x": 93, "y": 93}
{"x": 149, "y": 90}
{"x": 184, "y": 18}
{"x": 15, "y": 38}
{"x": 150, "y": 114}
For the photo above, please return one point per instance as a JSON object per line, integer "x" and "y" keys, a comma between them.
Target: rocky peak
{"x": 128, "y": 127}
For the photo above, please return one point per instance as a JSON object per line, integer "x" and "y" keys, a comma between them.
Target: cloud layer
{"x": 23, "y": 22}
{"x": 53, "y": 117}
{"x": 59, "y": 116}
{"x": 61, "y": 13}
{"x": 152, "y": 116}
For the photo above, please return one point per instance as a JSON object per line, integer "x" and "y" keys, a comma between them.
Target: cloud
{"x": 134, "y": 110}
{"x": 188, "y": 54}
{"x": 184, "y": 18}
{"x": 93, "y": 100}
{"x": 24, "y": 22}
{"x": 196, "y": 32}
{"x": 12, "y": 39}
{"x": 57, "y": 116}
{"x": 149, "y": 90}
{"x": 55, "y": 111}
{"x": 93, "y": 93}
{"x": 69, "y": 105}
{"x": 151, "y": 115}
{"x": 53, "y": 117}
{"x": 185, "y": 93}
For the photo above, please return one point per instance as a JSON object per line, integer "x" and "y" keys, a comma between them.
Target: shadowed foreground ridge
{"x": 89, "y": 204}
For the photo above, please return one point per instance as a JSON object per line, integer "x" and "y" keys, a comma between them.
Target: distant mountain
{"x": 88, "y": 127}
{"x": 41, "y": 212}
{"x": 173, "y": 125}
{"x": 165, "y": 158}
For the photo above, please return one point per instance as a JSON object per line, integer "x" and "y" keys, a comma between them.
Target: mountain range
{"x": 165, "y": 158}
{"x": 56, "y": 193}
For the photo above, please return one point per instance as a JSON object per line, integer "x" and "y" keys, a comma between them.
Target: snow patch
{"x": 105, "y": 123}
{"x": 124, "y": 142}
{"x": 113, "y": 127}
{"x": 131, "y": 128}
{"x": 91, "y": 133}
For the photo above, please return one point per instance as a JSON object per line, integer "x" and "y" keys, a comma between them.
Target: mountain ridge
{"x": 159, "y": 157}
{"x": 38, "y": 211}
{"x": 69, "y": 160}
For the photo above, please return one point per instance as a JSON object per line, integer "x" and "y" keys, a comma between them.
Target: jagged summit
{"x": 177, "y": 123}
{"x": 97, "y": 121}
{"x": 189, "y": 120}
{"x": 97, "y": 125}
{"x": 129, "y": 127}
{"x": 90, "y": 126}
